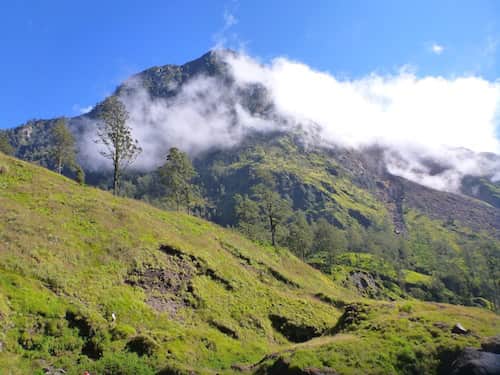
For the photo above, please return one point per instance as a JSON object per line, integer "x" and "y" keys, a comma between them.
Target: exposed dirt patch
{"x": 167, "y": 288}
{"x": 164, "y": 304}
{"x": 199, "y": 264}
{"x": 162, "y": 280}
{"x": 170, "y": 287}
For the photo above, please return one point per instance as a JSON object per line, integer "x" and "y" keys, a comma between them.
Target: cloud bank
{"x": 417, "y": 119}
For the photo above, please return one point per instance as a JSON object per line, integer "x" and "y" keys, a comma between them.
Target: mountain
{"x": 403, "y": 238}
{"x": 89, "y": 281}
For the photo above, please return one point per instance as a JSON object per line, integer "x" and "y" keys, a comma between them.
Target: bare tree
{"x": 114, "y": 133}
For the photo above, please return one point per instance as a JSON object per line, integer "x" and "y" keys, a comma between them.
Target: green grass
{"x": 66, "y": 252}
{"x": 416, "y": 278}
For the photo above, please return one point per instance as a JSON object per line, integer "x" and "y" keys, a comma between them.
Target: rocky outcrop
{"x": 491, "y": 344}
{"x": 283, "y": 367}
{"x": 365, "y": 284}
{"x": 471, "y": 361}
{"x": 459, "y": 329}
{"x": 476, "y": 362}
{"x": 353, "y": 315}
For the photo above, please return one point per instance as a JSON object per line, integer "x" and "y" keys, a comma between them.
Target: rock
{"x": 365, "y": 283}
{"x": 475, "y": 362}
{"x": 459, "y": 329}
{"x": 51, "y": 370}
{"x": 353, "y": 315}
{"x": 491, "y": 344}
{"x": 283, "y": 367}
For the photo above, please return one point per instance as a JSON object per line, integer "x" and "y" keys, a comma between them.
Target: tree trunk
{"x": 115, "y": 178}
{"x": 59, "y": 165}
{"x": 273, "y": 230}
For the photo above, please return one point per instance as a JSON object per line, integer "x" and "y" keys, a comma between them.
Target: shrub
{"x": 122, "y": 331}
{"x": 121, "y": 363}
{"x": 406, "y": 308}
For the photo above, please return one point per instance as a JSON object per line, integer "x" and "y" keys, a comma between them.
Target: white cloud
{"x": 81, "y": 110}
{"x": 415, "y": 118}
{"x": 224, "y": 36}
{"x": 418, "y": 117}
{"x": 431, "y": 111}
{"x": 437, "y": 48}
{"x": 229, "y": 19}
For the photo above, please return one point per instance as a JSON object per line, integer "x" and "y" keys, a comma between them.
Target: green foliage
{"x": 5, "y": 145}
{"x": 63, "y": 145}
{"x": 80, "y": 175}
{"x": 329, "y": 239}
{"x": 274, "y": 210}
{"x": 264, "y": 209}
{"x": 121, "y": 363}
{"x": 177, "y": 175}
{"x": 300, "y": 235}
{"x": 115, "y": 135}
{"x": 248, "y": 218}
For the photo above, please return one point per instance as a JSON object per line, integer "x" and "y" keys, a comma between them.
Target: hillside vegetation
{"x": 89, "y": 281}
{"x": 343, "y": 212}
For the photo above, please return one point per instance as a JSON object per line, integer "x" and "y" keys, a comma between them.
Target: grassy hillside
{"x": 435, "y": 245}
{"x": 448, "y": 239}
{"x": 186, "y": 294}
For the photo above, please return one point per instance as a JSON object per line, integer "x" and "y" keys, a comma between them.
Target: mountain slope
{"x": 451, "y": 240}
{"x": 186, "y": 294}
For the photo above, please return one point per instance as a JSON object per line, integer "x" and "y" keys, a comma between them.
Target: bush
{"x": 80, "y": 175}
{"x": 121, "y": 363}
{"x": 122, "y": 331}
{"x": 406, "y": 308}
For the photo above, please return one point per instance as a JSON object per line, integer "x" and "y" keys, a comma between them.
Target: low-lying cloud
{"x": 447, "y": 120}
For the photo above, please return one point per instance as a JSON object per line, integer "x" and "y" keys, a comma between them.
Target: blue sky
{"x": 59, "y": 56}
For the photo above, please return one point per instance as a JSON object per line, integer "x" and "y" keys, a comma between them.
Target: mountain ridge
{"x": 351, "y": 188}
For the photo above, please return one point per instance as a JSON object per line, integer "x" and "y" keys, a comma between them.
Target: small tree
{"x": 491, "y": 253}
{"x": 300, "y": 235}
{"x": 63, "y": 145}
{"x": 5, "y": 145}
{"x": 114, "y": 133}
{"x": 329, "y": 239}
{"x": 248, "y": 216}
{"x": 273, "y": 208}
{"x": 176, "y": 175}
{"x": 79, "y": 175}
